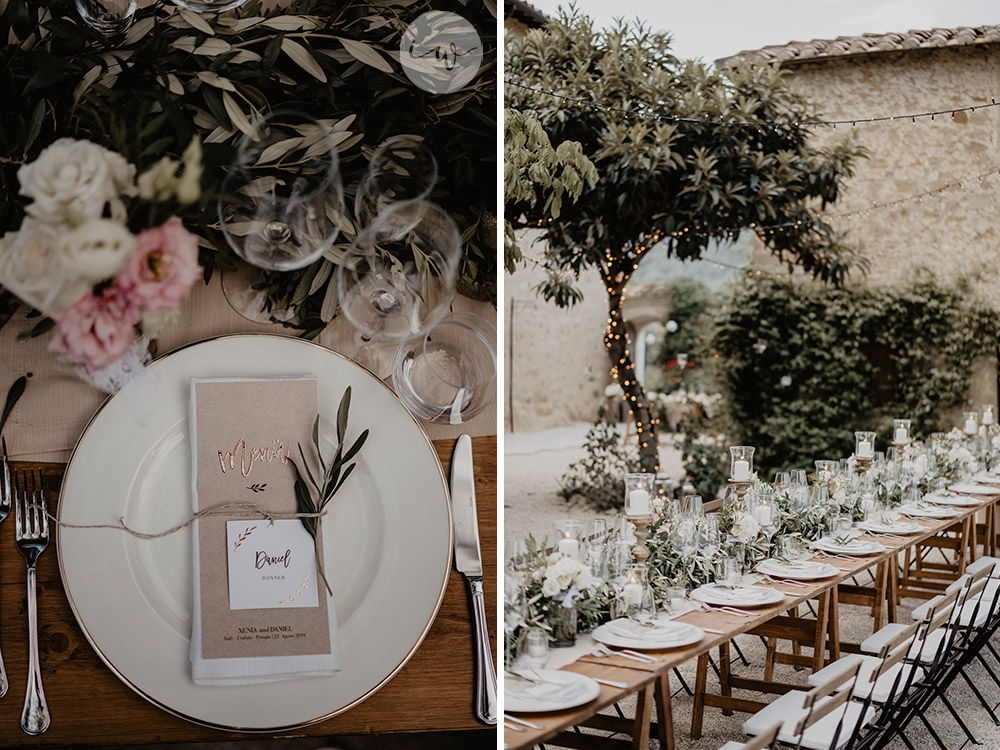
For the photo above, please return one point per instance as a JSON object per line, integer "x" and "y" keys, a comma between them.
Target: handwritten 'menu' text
{"x": 246, "y": 459}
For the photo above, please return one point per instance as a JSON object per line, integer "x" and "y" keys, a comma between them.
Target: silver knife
{"x": 469, "y": 562}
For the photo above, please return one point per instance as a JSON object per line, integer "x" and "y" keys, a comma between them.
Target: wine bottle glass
{"x": 282, "y": 204}
{"x": 398, "y": 278}
{"x": 402, "y": 169}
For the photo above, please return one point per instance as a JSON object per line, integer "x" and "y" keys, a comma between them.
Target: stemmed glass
{"x": 402, "y": 169}
{"x": 282, "y": 204}
{"x": 398, "y": 277}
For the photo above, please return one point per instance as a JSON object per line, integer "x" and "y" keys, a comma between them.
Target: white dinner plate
{"x": 560, "y": 690}
{"x": 985, "y": 477}
{"x": 896, "y": 527}
{"x": 804, "y": 570}
{"x": 972, "y": 488}
{"x": 623, "y": 633}
{"x": 929, "y": 511}
{"x": 958, "y": 500}
{"x": 742, "y": 597}
{"x": 854, "y": 547}
{"x": 387, "y": 536}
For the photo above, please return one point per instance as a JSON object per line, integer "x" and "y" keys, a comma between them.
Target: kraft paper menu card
{"x": 261, "y": 612}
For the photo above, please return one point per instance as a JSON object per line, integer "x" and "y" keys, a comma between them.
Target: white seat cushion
{"x": 985, "y": 562}
{"x": 968, "y": 609}
{"x": 881, "y": 688}
{"x": 788, "y": 709}
{"x": 873, "y": 643}
{"x": 733, "y": 746}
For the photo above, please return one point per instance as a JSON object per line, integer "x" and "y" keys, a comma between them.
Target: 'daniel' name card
{"x": 261, "y": 611}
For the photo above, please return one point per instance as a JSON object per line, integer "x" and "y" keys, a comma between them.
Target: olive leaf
{"x": 333, "y": 476}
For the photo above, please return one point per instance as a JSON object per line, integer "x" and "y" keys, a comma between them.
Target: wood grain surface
{"x": 91, "y": 706}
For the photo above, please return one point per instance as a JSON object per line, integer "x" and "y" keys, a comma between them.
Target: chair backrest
{"x": 940, "y": 615}
{"x": 836, "y": 691}
{"x": 895, "y": 652}
{"x": 711, "y": 507}
{"x": 765, "y": 739}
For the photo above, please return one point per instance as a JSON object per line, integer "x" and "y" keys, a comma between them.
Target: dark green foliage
{"x": 160, "y": 96}
{"x": 855, "y": 360}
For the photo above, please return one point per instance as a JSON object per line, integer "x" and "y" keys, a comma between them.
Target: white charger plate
{"x": 680, "y": 634}
{"x": 806, "y": 570}
{"x": 897, "y": 527}
{"x": 387, "y": 537}
{"x": 961, "y": 501}
{"x": 720, "y": 597}
{"x": 933, "y": 513}
{"x": 515, "y": 701}
{"x": 857, "y": 547}
{"x": 971, "y": 488}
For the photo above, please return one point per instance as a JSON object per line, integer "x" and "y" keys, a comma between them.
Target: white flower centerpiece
{"x": 561, "y": 582}
{"x": 76, "y": 259}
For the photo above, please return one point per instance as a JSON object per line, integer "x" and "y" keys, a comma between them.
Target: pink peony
{"x": 164, "y": 266}
{"x": 96, "y": 331}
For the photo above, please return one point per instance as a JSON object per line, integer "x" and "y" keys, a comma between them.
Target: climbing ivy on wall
{"x": 804, "y": 365}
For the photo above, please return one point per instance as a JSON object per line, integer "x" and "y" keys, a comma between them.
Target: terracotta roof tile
{"x": 820, "y": 49}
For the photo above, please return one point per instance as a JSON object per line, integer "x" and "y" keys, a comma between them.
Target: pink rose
{"x": 96, "y": 331}
{"x": 164, "y": 266}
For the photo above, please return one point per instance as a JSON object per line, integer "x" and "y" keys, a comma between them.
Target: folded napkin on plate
{"x": 743, "y": 593}
{"x": 660, "y": 631}
{"x": 260, "y": 610}
{"x": 549, "y": 692}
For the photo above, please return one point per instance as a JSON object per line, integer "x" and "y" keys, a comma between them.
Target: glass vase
{"x": 562, "y": 621}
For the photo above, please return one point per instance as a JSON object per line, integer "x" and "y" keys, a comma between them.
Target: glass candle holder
{"x": 741, "y": 462}
{"x": 864, "y": 445}
{"x": 988, "y": 417}
{"x": 901, "y": 431}
{"x": 568, "y": 537}
{"x": 970, "y": 424}
{"x": 639, "y": 489}
{"x": 826, "y": 469}
{"x": 637, "y": 594}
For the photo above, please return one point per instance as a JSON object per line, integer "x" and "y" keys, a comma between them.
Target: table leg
{"x": 822, "y": 618}
{"x": 643, "y": 709}
{"x": 880, "y": 588}
{"x": 893, "y": 563}
{"x": 698, "y": 710}
{"x": 834, "y": 627}
{"x": 772, "y": 647}
{"x": 725, "y": 689}
{"x": 664, "y": 712}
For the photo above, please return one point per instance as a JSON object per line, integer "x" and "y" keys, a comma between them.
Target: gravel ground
{"x": 533, "y": 462}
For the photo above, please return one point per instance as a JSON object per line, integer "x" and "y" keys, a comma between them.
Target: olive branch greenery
{"x": 333, "y": 477}
{"x": 179, "y": 74}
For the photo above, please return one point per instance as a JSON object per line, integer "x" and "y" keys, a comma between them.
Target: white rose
{"x": 564, "y": 566}
{"x": 996, "y": 442}
{"x": 96, "y": 250}
{"x": 745, "y": 527}
{"x": 585, "y": 580}
{"x": 550, "y": 587}
{"x": 72, "y": 181}
{"x": 959, "y": 454}
{"x": 32, "y": 269}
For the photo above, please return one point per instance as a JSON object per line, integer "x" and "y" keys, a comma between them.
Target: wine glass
{"x": 109, "y": 18}
{"x": 209, "y": 6}
{"x": 283, "y": 201}
{"x": 282, "y": 205}
{"x": 398, "y": 277}
{"x": 402, "y": 169}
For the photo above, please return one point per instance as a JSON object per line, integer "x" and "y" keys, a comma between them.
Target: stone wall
{"x": 555, "y": 363}
{"x": 953, "y": 236}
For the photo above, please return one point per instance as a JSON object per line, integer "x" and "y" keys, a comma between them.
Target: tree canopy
{"x": 686, "y": 155}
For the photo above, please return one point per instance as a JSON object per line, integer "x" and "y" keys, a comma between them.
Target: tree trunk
{"x": 623, "y": 370}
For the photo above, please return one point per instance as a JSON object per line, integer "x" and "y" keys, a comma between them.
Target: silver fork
{"x": 6, "y": 497}
{"x": 31, "y": 532}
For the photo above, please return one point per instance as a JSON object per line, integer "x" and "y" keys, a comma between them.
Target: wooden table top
{"x": 729, "y": 625}
{"x": 90, "y": 706}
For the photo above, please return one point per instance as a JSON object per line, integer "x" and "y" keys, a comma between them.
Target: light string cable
{"x": 853, "y": 121}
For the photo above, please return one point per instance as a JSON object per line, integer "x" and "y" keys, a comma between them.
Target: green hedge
{"x": 851, "y": 359}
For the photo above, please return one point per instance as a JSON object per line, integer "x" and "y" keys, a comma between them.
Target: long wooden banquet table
{"x": 722, "y": 627}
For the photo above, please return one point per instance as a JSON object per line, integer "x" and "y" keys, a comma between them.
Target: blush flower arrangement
{"x": 75, "y": 258}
